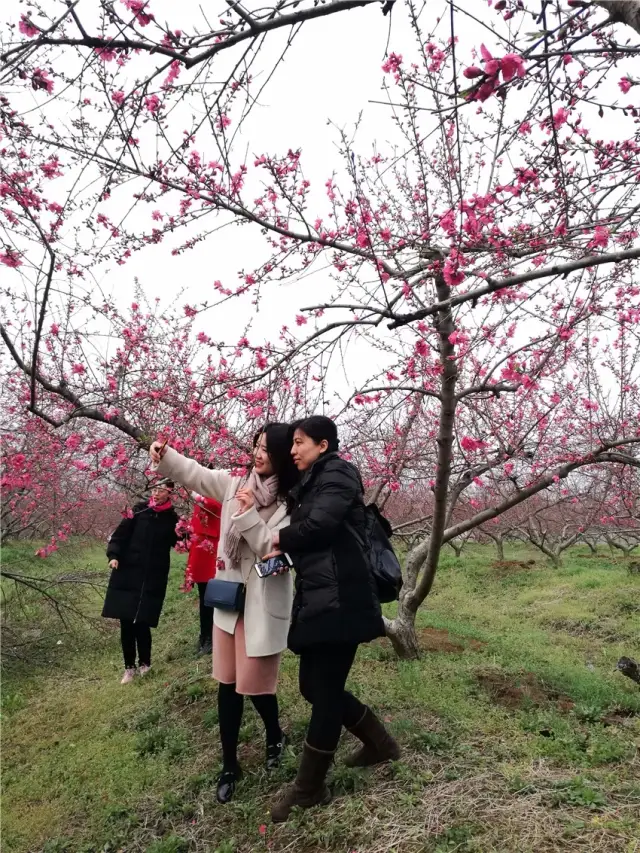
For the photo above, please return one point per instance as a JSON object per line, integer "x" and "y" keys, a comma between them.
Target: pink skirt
{"x": 252, "y": 676}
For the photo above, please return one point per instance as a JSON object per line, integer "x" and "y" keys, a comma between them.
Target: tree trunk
{"x": 626, "y": 548}
{"x": 498, "y": 539}
{"x": 553, "y": 555}
{"x": 622, "y": 12}
{"x": 422, "y": 562}
{"x": 457, "y": 547}
{"x": 401, "y": 630}
{"x": 402, "y": 633}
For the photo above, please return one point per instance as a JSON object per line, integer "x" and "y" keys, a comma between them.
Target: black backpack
{"x": 382, "y": 558}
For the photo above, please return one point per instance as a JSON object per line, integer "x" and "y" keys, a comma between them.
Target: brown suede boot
{"x": 309, "y": 788}
{"x": 377, "y": 743}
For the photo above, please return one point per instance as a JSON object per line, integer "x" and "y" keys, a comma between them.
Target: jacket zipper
{"x": 142, "y": 588}
{"x": 140, "y": 601}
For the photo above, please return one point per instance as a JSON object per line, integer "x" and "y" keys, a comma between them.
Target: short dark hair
{"x": 165, "y": 483}
{"x": 279, "y": 442}
{"x": 318, "y": 428}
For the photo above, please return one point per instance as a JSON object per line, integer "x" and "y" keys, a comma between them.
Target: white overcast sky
{"x": 331, "y": 73}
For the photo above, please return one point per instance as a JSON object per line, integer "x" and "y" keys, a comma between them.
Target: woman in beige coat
{"x": 246, "y": 646}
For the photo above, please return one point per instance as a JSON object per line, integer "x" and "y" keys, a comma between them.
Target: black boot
{"x": 205, "y": 646}
{"x": 377, "y": 744}
{"x": 309, "y": 788}
{"x": 227, "y": 782}
{"x": 275, "y": 751}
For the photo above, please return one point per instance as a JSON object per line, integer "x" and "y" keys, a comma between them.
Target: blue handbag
{"x": 225, "y": 595}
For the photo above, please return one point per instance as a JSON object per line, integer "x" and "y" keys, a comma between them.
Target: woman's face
{"x": 305, "y": 451}
{"x": 261, "y": 459}
{"x": 160, "y": 494}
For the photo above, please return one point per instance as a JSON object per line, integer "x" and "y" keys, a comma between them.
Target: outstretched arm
{"x": 189, "y": 473}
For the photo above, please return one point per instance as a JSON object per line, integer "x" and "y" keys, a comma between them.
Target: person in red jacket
{"x": 201, "y": 564}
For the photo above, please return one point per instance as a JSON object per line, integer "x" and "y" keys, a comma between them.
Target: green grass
{"x": 517, "y": 733}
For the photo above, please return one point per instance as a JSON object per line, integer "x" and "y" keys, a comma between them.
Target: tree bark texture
{"x": 418, "y": 583}
{"x": 622, "y": 12}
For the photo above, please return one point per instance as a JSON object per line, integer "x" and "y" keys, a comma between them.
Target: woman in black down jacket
{"x": 334, "y": 610}
{"x": 139, "y": 555}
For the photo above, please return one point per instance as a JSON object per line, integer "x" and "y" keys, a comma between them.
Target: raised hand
{"x": 157, "y": 451}
{"x": 275, "y": 541}
{"x": 245, "y": 498}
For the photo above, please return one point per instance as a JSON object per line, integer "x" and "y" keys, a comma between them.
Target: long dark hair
{"x": 318, "y": 428}
{"x": 279, "y": 442}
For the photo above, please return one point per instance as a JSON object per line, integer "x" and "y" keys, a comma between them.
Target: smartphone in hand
{"x": 274, "y": 565}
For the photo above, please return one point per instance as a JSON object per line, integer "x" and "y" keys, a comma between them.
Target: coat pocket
{"x": 278, "y": 596}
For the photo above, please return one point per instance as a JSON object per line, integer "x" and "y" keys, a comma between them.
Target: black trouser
{"x": 323, "y": 674}
{"x": 206, "y": 615}
{"x": 230, "y": 707}
{"x": 134, "y": 634}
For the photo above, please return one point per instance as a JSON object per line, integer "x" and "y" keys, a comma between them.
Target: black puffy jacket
{"x": 335, "y": 599}
{"x": 142, "y": 546}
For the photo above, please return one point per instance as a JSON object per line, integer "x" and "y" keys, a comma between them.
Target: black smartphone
{"x": 274, "y": 564}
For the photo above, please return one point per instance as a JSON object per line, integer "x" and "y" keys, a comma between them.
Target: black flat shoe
{"x": 275, "y": 751}
{"x": 227, "y": 782}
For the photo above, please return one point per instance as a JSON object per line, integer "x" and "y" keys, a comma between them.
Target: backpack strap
{"x": 359, "y": 501}
{"x": 355, "y": 535}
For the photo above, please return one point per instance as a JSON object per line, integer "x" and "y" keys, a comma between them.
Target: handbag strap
{"x": 245, "y": 581}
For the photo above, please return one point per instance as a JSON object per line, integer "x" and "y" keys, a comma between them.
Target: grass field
{"x": 518, "y": 734}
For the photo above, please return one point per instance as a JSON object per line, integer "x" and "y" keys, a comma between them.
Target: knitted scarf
{"x": 160, "y": 507}
{"x": 265, "y": 493}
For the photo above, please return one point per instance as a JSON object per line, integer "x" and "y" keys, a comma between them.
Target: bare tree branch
{"x": 493, "y": 285}
{"x": 270, "y": 21}
{"x": 543, "y": 483}
{"x": 80, "y": 410}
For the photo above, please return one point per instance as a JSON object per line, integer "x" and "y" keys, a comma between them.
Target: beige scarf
{"x": 265, "y": 492}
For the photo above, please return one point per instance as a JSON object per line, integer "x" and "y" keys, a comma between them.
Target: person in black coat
{"x": 335, "y": 608}
{"x": 139, "y": 556}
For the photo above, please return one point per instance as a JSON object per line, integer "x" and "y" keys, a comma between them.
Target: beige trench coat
{"x": 267, "y": 610}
